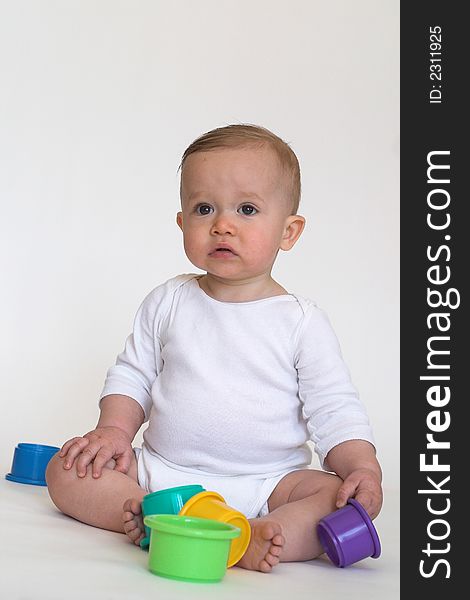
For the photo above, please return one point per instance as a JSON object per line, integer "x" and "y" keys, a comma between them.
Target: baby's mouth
{"x": 221, "y": 251}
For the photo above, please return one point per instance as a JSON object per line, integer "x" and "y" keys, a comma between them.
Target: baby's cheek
{"x": 263, "y": 249}
{"x": 191, "y": 247}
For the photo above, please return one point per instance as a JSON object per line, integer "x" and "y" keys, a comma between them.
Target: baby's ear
{"x": 293, "y": 228}
{"x": 179, "y": 220}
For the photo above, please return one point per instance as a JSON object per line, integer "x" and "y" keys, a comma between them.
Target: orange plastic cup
{"x": 210, "y": 505}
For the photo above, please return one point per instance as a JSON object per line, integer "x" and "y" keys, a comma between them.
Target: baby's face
{"x": 234, "y": 211}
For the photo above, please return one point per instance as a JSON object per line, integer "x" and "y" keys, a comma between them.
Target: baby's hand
{"x": 364, "y": 486}
{"x": 98, "y": 447}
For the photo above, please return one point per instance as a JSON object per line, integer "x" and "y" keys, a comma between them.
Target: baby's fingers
{"x": 365, "y": 498}
{"x": 123, "y": 463}
{"x": 370, "y": 502}
{"x": 71, "y": 449}
{"x": 345, "y": 492}
{"x": 102, "y": 457}
{"x": 65, "y": 448}
{"x": 86, "y": 457}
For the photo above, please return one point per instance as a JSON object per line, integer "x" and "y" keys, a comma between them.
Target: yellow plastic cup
{"x": 210, "y": 505}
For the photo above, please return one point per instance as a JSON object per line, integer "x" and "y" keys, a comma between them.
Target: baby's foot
{"x": 265, "y": 546}
{"x": 133, "y": 520}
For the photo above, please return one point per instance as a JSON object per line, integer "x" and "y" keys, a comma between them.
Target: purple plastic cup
{"x": 348, "y": 535}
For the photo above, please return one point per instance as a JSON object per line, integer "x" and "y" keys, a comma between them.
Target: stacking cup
{"x": 189, "y": 548}
{"x": 210, "y": 505}
{"x": 348, "y": 535}
{"x": 30, "y": 462}
{"x": 166, "y": 502}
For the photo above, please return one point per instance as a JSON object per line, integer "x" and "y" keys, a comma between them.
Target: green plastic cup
{"x": 166, "y": 502}
{"x": 189, "y": 548}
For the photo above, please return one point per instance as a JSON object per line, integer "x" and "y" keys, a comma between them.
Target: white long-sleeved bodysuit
{"x": 236, "y": 389}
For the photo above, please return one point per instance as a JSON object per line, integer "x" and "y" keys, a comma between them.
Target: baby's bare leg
{"x": 288, "y": 532}
{"x": 98, "y": 502}
{"x": 297, "y": 503}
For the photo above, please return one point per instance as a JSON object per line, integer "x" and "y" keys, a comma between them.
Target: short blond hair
{"x": 245, "y": 135}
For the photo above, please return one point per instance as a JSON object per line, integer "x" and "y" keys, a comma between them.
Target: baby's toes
{"x": 278, "y": 540}
{"x": 271, "y": 559}
{"x": 127, "y": 517}
{"x": 138, "y": 538}
{"x": 264, "y": 566}
{"x": 130, "y": 525}
{"x": 133, "y": 532}
{"x": 133, "y": 506}
{"x": 275, "y": 550}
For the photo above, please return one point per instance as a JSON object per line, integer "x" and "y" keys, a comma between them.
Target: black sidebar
{"x": 435, "y": 267}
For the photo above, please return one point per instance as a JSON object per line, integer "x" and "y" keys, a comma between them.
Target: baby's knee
{"x": 59, "y": 480}
{"x": 326, "y": 485}
{"x": 332, "y": 483}
{"x": 312, "y": 482}
{"x": 54, "y": 470}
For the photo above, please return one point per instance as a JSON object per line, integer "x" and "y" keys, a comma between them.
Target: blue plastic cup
{"x": 30, "y": 462}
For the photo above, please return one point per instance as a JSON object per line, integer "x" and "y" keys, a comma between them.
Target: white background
{"x": 98, "y": 101}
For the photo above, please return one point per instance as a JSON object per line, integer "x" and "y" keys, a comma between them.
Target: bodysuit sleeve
{"x": 330, "y": 403}
{"x": 139, "y": 364}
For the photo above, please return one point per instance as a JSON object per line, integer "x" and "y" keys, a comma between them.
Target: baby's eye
{"x": 203, "y": 209}
{"x": 247, "y": 210}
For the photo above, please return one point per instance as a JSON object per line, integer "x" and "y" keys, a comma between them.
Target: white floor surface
{"x": 47, "y": 556}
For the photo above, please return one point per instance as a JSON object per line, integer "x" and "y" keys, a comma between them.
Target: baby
{"x": 233, "y": 373}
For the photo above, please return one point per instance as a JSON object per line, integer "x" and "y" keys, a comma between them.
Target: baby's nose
{"x": 223, "y": 225}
